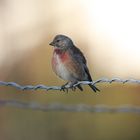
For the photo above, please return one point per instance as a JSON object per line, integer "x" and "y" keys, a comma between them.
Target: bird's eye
{"x": 57, "y": 40}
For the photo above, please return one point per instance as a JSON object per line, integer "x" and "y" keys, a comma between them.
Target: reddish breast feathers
{"x": 63, "y": 56}
{"x": 59, "y": 63}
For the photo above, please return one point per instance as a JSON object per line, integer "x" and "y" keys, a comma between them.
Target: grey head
{"x": 61, "y": 42}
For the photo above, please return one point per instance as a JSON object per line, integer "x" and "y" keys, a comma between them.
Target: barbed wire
{"x": 71, "y": 108}
{"x": 40, "y": 86}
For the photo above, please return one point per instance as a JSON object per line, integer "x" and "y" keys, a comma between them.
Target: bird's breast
{"x": 59, "y": 61}
{"x": 60, "y": 57}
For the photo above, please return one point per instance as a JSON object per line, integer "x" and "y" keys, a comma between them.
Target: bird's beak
{"x": 52, "y": 44}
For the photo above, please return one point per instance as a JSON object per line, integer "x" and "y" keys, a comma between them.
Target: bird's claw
{"x": 73, "y": 88}
{"x": 63, "y": 88}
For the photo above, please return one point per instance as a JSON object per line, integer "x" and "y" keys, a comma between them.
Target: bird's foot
{"x": 70, "y": 85}
{"x": 73, "y": 88}
{"x": 64, "y": 88}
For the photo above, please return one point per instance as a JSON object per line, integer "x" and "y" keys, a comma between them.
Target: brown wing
{"x": 79, "y": 58}
{"x": 75, "y": 69}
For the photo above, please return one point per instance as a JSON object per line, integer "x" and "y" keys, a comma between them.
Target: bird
{"x": 69, "y": 63}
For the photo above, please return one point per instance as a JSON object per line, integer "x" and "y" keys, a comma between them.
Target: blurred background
{"x": 106, "y": 31}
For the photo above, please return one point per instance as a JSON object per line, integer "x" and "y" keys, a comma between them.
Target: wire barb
{"x": 44, "y": 87}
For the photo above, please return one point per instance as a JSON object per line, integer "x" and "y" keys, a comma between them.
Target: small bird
{"x": 69, "y": 63}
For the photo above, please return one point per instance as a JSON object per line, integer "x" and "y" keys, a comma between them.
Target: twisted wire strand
{"x": 70, "y": 108}
{"x": 44, "y": 87}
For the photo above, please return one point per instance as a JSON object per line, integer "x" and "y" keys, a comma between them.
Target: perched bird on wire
{"x": 69, "y": 63}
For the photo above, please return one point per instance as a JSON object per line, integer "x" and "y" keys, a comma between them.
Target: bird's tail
{"x": 94, "y": 88}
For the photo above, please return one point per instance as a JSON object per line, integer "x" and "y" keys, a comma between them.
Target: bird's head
{"x": 61, "y": 42}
